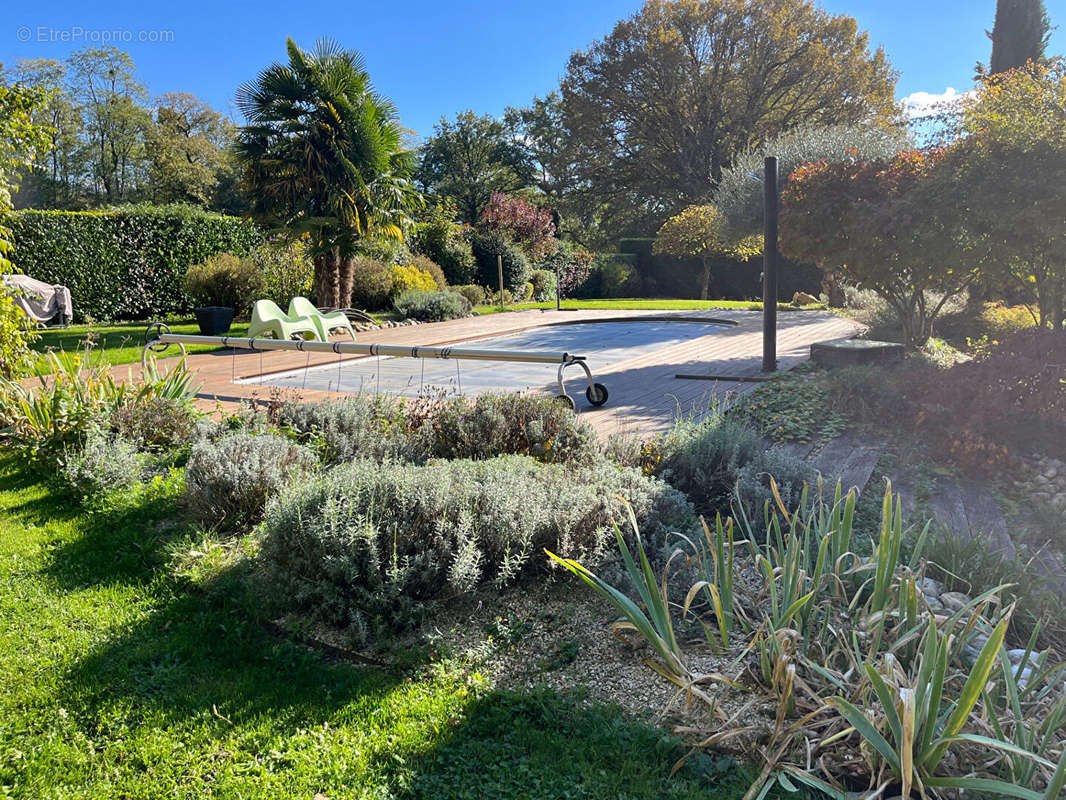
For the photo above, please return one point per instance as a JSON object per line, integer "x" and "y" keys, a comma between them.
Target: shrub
{"x": 127, "y": 263}
{"x": 427, "y": 265}
{"x": 406, "y": 278}
{"x": 372, "y": 426}
{"x": 487, "y": 245}
{"x": 1012, "y": 399}
{"x": 155, "y": 423}
{"x": 101, "y": 464}
{"x": 573, "y": 265}
{"x": 17, "y": 333}
{"x": 447, "y": 244}
{"x": 528, "y": 226}
{"x": 365, "y": 545}
{"x": 474, "y": 294}
{"x": 721, "y": 461}
{"x": 225, "y": 280}
{"x": 431, "y": 306}
{"x": 287, "y": 271}
{"x": 616, "y": 278}
{"x": 228, "y": 482}
{"x": 543, "y": 283}
{"x": 371, "y": 284}
{"x": 494, "y": 424}
{"x": 383, "y": 250}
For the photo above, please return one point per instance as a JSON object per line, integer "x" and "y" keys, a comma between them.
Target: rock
{"x": 954, "y": 601}
{"x": 803, "y": 299}
{"x": 930, "y": 587}
{"x": 934, "y": 605}
{"x": 1015, "y": 656}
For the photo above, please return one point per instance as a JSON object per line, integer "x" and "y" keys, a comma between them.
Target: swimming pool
{"x": 603, "y": 344}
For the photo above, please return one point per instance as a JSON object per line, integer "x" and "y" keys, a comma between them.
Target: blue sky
{"x": 437, "y": 58}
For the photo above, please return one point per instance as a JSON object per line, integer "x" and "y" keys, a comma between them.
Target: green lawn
{"x": 638, "y": 304}
{"x": 123, "y": 676}
{"x": 114, "y": 344}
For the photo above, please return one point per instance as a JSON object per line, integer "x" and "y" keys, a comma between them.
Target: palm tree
{"x": 324, "y": 159}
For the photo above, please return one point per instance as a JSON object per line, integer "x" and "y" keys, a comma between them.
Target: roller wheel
{"x": 596, "y": 394}
{"x": 567, "y": 400}
{"x": 152, "y": 334}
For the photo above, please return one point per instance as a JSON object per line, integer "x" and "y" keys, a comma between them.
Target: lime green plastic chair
{"x": 268, "y": 319}
{"x": 302, "y": 307}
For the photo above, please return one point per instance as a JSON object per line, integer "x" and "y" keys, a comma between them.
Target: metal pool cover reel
{"x": 158, "y": 338}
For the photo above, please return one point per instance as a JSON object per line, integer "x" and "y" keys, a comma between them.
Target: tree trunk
{"x": 346, "y": 282}
{"x": 833, "y": 288}
{"x": 327, "y": 280}
{"x": 705, "y": 283}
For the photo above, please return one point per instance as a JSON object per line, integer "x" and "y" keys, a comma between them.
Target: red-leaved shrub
{"x": 1010, "y": 402}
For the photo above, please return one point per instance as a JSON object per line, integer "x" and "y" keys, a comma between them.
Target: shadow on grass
{"x": 123, "y": 542}
{"x": 541, "y": 744}
{"x": 198, "y": 666}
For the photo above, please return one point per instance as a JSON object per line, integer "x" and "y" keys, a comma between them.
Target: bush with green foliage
{"x": 229, "y": 481}
{"x": 156, "y": 423}
{"x": 722, "y": 463}
{"x": 431, "y": 306}
{"x": 126, "y": 263}
{"x": 287, "y": 269}
{"x": 380, "y": 428}
{"x": 371, "y": 284}
{"x": 543, "y": 282}
{"x": 475, "y": 295}
{"x": 225, "y": 280}
{"x": 372, "y": 426}
{"x": 495, "y": 424}
{"x": 42, "y": 420}
{"x": 573, "y": 265}
{"x": 447, "y": 243}
{"x": 610, "y": 277}
{"x": 100, "y": 464}
{"x": 490, "y": 244}
{"x": 366, "y": 544}
{"x": 17, "y": 333}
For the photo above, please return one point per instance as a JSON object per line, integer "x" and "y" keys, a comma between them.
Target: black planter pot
{"x": 213, "y": 320}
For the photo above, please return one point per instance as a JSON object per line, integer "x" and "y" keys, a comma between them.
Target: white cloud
{"x": 926, "y": 104}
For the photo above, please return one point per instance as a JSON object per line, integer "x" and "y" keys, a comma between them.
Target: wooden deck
{"x": 645, "y": 394}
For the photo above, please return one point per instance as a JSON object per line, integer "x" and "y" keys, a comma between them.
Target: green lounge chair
{"x": 302, "y": 307}
{"x": 268, "y": 319}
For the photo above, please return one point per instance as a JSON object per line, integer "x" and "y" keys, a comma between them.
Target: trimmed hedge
{"x": 731, "y": 279}
{"x": 125, "y": 263}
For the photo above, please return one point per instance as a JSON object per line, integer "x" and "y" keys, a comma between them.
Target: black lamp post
{"x": 769, "y": 266}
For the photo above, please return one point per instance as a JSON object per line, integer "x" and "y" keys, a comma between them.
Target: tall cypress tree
{"x": 1020, "y": 33}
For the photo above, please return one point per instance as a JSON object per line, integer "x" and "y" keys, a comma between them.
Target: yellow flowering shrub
{"x": 405, "y": 278}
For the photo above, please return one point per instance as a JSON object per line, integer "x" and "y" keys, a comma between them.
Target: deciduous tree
{"x": 890, "y": 226}
{"x": 466, "y": 160}
{"x": 658, "y": 108}
{"x": 700, "y": 232}
{"x": 529, "y": 226}
{"x": 1009, "y": 170}
{"x": 185, "y": 148}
